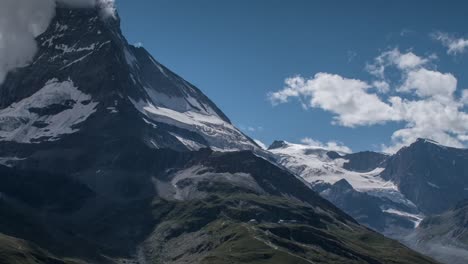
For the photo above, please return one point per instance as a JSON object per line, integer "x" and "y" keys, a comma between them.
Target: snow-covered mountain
{"x": 352, "y": 184}
{"x": 60, "y": 93}
{"x": 319, "y": 165}
{"x": 395, "y": 194}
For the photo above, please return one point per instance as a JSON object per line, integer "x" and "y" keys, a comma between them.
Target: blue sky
{"x": 240, "y": 52}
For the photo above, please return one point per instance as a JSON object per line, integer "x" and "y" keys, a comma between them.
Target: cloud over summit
{"x": 23, "y": 20}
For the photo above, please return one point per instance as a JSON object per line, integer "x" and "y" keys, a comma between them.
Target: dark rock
{"x": 434, "y": 177}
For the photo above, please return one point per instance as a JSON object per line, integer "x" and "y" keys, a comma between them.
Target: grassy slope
{"x": 218, "y": 230}
{"x": 213, "y": 228}
{"x": 16, "y": 251}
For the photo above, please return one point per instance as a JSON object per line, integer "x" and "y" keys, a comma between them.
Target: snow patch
{"x": 9, "y": 161}
{"x": 84, "y": 57}
{"x": 130, "y": 58}
{"x": 112, "y": 110}
{"x": 190, "y": 144}
{"x": 433, "y": 185}
{"x": 434, "y": 143}
{"x": 415, "y": 218}
{"x": 52, "y": 111}
{"x": 159, "y": 67}
{"x": 183, "y": 184}
{"x": 218, "y": 133}
{"x": 59, "y": 27}
{"x": 50, "y": 41}
{"x": 67, "y": 49}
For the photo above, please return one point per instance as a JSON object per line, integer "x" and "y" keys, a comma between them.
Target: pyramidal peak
{"x": 107, "y": 79}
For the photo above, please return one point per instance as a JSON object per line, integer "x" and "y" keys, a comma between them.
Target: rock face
{"x": 434, "y": 177}
{"x": 444, "y": 236}
{"x": 379, "y": 213}
{"x": 105, "y": 159}
{"x": 364, "y": 161}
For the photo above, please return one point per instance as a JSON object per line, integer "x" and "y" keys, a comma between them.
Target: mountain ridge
{"x": 78, "y": 37}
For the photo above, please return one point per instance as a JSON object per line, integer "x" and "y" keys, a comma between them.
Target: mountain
{"x": 363, "y": 161}
{"x": 109, "y": 157}
{"x": 433, "y": 176}
{"x": 444, "y": 236}
{"x": 65, "y": 86}
{"x": 353, "y": 183}
{"x": 393, "y": 193}
{"x": 14, "y": 250}
{"x": 207, "y": 207}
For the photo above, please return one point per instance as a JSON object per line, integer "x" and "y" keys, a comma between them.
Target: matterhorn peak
{"x": 124, "y": 83}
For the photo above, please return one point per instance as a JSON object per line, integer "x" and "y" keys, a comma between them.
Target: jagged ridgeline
{"x": 105, "y": 159}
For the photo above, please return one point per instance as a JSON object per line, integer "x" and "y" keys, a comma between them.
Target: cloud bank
{"x": 424, "y": 100}
{"x": 23, "y": 20}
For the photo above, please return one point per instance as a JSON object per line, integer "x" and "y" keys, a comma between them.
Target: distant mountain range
{"x": 109, "y": 157}
{"x": 392, "y": 193}
{"x": 353, "y": 183}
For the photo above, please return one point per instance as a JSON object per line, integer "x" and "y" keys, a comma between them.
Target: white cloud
{"x": 382, "y": 86}
{"x": 464, "y": 97}
{"x": 454, "y": 45}
{"x": 23, "y": 20}
{"x": 260, "y": 144}
{"x": 402, "y": 61}
{"x": 427, "y": 83}
{"x": 407, "y": 60}
{"x": 431, "y": 109}
{"x": 20, "y": 22}
{"x": 107, "y": 7}
{"x": 330, "y": 145}
{"x": 347, "y": 98}
{"x": 405, "y": 32}
{"x": 442, "y": 121}
{"x": 251, "y": 128}
{"x": 351, "y": 55}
